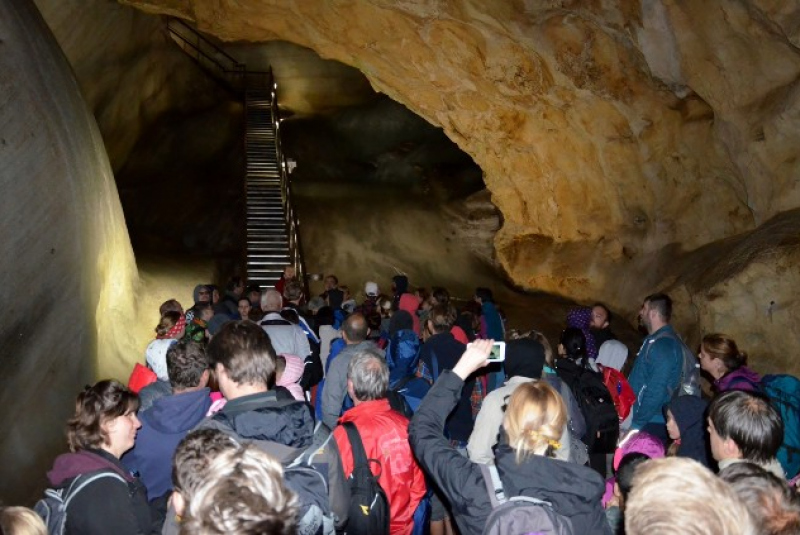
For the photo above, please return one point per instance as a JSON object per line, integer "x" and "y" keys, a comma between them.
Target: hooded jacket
{"x": 690, "y": 415}
{"x": 291, "y": 376}
{"x": 742, "y": 378}
{"x": 163, "y": 426}
{"x": 284, "y": 429}
{"x": 410, "y": 303}
{"x": 573, "y": 490}
{"x": 107, "y": 505}
{"x": 403, "y": 348}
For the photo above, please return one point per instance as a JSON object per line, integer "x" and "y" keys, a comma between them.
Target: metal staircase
{"x": 273, "y": 230}
{"x": 268, "y": 247}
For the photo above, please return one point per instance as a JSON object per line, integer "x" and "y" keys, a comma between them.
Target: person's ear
{"x": 350, "y": 390}
{"x": 178, "y": 503}
{"x": 204, "y": 379}
{"x": 617, "y": 492}
{"x": 731, "y": 450}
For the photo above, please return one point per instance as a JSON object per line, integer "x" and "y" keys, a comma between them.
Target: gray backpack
{"x": 53, "y": 507}
{"x": 520, "y": 514}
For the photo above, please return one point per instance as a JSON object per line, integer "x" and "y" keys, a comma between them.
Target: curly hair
{"x": 95, "y": 406}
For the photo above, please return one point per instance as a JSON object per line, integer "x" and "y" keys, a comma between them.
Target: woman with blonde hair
{"x": 524, "y": 458}
{"x": 20, "y": 521}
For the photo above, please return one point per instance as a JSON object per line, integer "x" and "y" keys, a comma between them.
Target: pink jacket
{"x": 291, "y": 375}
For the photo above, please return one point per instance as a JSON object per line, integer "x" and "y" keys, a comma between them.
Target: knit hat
{"x": 641, "y": 442}
{"x": 371, "y": 289}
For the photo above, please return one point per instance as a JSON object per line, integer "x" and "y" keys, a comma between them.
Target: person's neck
{"x": 188, "y": 389}
{"x": 239, "y": 391}
{"x": 110, "y": 449}
{"x": 657, "y": 325}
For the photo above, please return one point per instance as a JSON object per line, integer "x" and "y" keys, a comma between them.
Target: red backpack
{"x": 621, "y": 391}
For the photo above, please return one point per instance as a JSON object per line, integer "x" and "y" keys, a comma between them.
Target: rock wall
{"x": 128, "y": 70}
{"x": 616, "y": 137}
{"x": 67, "y": 271}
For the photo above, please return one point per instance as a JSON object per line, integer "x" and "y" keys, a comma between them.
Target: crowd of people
{"x": 263, "y": 412}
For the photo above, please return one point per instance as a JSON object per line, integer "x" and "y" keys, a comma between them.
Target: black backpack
{"x": 597, "y": 406}
{"x": 369, "y": 506}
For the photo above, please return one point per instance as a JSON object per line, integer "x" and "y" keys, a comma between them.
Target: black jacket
{"x": 574, "y": 491}
{"x": 106, "y": 506}
{"x": 284, "y": 429}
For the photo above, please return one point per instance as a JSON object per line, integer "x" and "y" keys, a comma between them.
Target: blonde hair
{"x": 20, "y": 521}
{"x": 534, "y": 419}
{"x": 243, "y": 494}
{"x": 676, "y": 495}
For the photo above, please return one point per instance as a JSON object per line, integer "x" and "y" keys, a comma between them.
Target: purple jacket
{"x": 742, "y": 378}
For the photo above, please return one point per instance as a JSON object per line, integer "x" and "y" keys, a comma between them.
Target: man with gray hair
{"x": 384, "y": 434}
{"x": 286, "y": 337}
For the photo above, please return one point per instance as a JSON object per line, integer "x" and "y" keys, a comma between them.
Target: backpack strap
{"x": 72, "y": 491}
{"x": 435, "y": 363}
{"x": 276, "y": 322}
{"x": 359, "y": 454}
{"x": 322, "y": 435}
{"x": 491, "y": 478}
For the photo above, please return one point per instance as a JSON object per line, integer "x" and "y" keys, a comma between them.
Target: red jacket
{"x": 384, "y": 433}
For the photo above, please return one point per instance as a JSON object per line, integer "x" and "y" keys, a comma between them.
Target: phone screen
{"x": 498, "y": 353}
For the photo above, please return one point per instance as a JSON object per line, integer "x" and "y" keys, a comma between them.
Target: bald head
{"x": 355, "y": 329}
{"x": 272, "y": 301}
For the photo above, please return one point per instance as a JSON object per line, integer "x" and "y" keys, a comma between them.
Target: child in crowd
{"x": 615, "y": 508}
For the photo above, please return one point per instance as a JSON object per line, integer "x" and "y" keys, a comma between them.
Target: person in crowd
{"x": 254, "y": 295}
{"x": 103, "y": 428}
{"x": 534, "y": 420}
{"x": 572, "y": 346}
{"x": 399, "y": 287}
{"x": 287, "y": 276}
{"x": 169, "y": 419}
{"x": 384, "y": 434}
{"x": 410, "y": 303}
{"x": 20, "y": 521}
{"x": 525, "y": 358}
{"x": 243, "y": 359}
{"x": 189, "y": 468}
{"x": 370, "y": 303}
{"x": 348, "y": 300}
{"x": 385, "y": 308}
{"x": 323, "y": 320}
{"x": 243, "y": 493}
{"x": 170, "y": 305}
{"x": 721, "y": 358}
{"x": 233, "y": 291}
{"x": 293, "y": 299}
{"x": 686, "y": 427}
{"x": 662, "y": 367}
{"x": 171, "y": 328}
{"x": 354, "y": 333}
{"x": 197, "y": 329}
{"x": 244, "y": 307}
{"x": 201, "y": 294}
{"x": 773, "y": 504}
{"x": 679, "y": 496}
{"x": 600, "y": 325}
{"x": 331, "y": 282}
{"x": 334, "y": 299}
{"x": 288, "y": 372}
{"x": 612, "y": 354}
{"x": 636, "y": 443}
{"x": 623, "y": 483}
{"x": 286, "y": 337}
{"x": 743, "y": 426}
{"x": 402, "y": 351}
{"x": 581, "y": 318}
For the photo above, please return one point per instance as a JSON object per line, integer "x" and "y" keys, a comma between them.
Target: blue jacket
{"x": 163, "y": 426}
{"x": 655, "y": 376}
{"x": 401, "y": 355}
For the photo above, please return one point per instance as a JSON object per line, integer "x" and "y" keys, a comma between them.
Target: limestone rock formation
{"x": 67, "y": 271}
{"x": 616, "y": 137}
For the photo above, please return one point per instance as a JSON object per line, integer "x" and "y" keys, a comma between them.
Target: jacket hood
{"x": 613, "y": 354}
{"x": 410, "y": 303}
{"x": 641, "y": 442}
{"x": 400, "y": 284}
{"x": 196, "y": 293}
{"x": 70, "y": 465}
{"x": 524, "y": 358}
{"x": 400, "y": 320}
{"x": 291, "y": 375}
{"x": 742, "y": 378}
{"x": 178, "y": 413}
{"x": 689, "y": 413}
{"x": 568, "y": 486}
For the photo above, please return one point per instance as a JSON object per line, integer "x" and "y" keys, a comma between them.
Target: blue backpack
{"x": 402, "y": 355}
{"x": 784, "y": 393}
{"x": 413, "y": 389}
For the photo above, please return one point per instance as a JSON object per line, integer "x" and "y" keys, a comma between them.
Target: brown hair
{"x": 95, "y": 406}
{"x": 442, "y": 317}
{"x": 171, "y": 305}
{"x": 193, "y": 455}
{"x": 168, "y": 320}
{"x": 721, "y": 346}
{"x": 245, "y": 351}
{"x": 186, "y": 362}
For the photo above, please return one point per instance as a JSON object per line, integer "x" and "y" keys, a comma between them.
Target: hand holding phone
{"x": 498, "y": 353}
